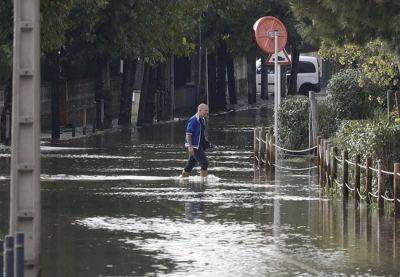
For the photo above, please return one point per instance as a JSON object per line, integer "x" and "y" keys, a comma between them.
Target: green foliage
{"x": 328, "y": 118}
{"x": 376, "y": 61}
{"x": 377, "y": 138}
{"x": 356, "y": 21}
{"x": 353, "y": 96}
{"x": 293, "y": 123}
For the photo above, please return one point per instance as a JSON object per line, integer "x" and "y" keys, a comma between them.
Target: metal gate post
{"x": 25, "y": 151}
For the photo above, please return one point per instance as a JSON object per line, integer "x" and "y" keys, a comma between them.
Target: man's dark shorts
{"x": 200, "y": 157}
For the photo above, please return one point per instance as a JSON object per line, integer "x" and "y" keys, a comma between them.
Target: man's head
{"x": 202, "y": 110}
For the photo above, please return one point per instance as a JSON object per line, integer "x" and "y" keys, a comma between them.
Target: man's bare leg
{"x": 203, "y": 173}
{"x": 185, "y": 174}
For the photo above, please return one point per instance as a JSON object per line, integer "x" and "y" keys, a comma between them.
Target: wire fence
{"x": 334, "y": 170}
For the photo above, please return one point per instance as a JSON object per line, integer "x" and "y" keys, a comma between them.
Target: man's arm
{"x": 189, "y": 141}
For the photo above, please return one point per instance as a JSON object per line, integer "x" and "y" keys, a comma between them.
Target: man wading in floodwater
{"x": 196, "y": 142}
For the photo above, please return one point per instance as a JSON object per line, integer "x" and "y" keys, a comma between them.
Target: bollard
{"x": 84, "y": 121}
{"x": 345, "y": 178}
{"x": 8, "y": 127}
{"x": 94, "y": 126}
{"x": 1, "y": 257}
{"x": 357, "y": 183}
{"x": 102, "y": 114}
{"x": 9, "y": 257}
{"x": 334, "y": 164}
{"x": 396, "y": 185}
{"x": 73, "y": 129}
{"x": 381, "y": 191}
{"x": 19, "y": 255}
{"x": 368, "y": 178}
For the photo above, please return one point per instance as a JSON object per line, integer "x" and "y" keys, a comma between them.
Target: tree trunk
{"x": 264, "y": 78}
{"x": 294, "y": 71}
{"x": 251, "y": 79}
{"x": 221, "y": 77}
{"x": 231, "y": 80}
{"x": 55, "y": 68}
{"x": 147, "y": 97}
{"x": 99, "y": 95}
{"x": 212, "y": 81}
{"x": 125, "y": 109}
{"x": 108, "y": 116}
{"x": 6, "y": 114}
{"x": 143, "y": 96}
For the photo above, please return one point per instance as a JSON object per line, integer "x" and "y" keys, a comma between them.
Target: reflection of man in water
{"x": 196, "y": 142}
{"x": 195, "y": 207}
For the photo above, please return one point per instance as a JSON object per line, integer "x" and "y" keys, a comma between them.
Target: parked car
{"x": 307, "y": 78}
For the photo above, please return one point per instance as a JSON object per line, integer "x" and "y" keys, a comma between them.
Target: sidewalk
{"x": 66, "y": 133}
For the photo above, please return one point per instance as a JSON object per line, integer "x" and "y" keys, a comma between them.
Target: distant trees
{"x": 91, "y": 35}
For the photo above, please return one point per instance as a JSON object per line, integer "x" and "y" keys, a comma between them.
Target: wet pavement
{"x": 113, "y": 206}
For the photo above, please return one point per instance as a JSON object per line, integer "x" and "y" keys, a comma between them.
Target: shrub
{"x": 328, "y": 119}
{"x": 353, "y": 96}
{"x": 377, "y": 138}
{"x": 293, "y": 123}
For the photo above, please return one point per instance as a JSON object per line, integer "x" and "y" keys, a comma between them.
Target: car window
{"x": 306, "y": 67}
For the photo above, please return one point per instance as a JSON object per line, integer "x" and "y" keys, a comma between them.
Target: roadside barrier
{"x": 12, "y": 256}
{"x": 264, "y": 150}
{"x": 331, "y": 165}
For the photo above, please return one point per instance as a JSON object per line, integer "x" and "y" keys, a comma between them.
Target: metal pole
{"x": 9, "y": 257}
{"x": 1, "y": 257}
{"x": 276, "y": 93}
{"x": 19, "y": 255}
{"x": 25, "y": 202}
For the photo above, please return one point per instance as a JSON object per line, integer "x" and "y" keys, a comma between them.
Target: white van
{"x": 307, "y": 78}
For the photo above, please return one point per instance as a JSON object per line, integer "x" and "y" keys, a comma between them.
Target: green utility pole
{"x": 25, "y": 145}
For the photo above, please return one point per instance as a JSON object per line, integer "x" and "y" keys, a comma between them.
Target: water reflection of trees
{"x": 369, "y": 237}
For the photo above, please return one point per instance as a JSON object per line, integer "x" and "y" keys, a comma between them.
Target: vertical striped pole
{"x": 19, "y": 255}
{"x": 9, "y": 257}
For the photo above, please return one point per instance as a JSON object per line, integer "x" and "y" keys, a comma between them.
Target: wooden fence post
{"x": 368, "y": 178}
{"x": 345, "y": 179}
{"x": 319, "y": 158}
{"x": 261, "y": 135}
{"x": 255, "y": 147}
{"x": 396, "y": 185}
{"x": 334, "y": 165}
{"x": 357, "y": 182}
{"x": 328, "y": 164}
{"x": 272, "y": 156}
{"x": 267, "y": 149}
{"x": 381, "y": 204}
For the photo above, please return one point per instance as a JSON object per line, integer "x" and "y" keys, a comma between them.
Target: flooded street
{"x": 113, "y": 206}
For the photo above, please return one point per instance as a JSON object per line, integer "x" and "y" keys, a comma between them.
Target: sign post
{"x": 271, "y": 37}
